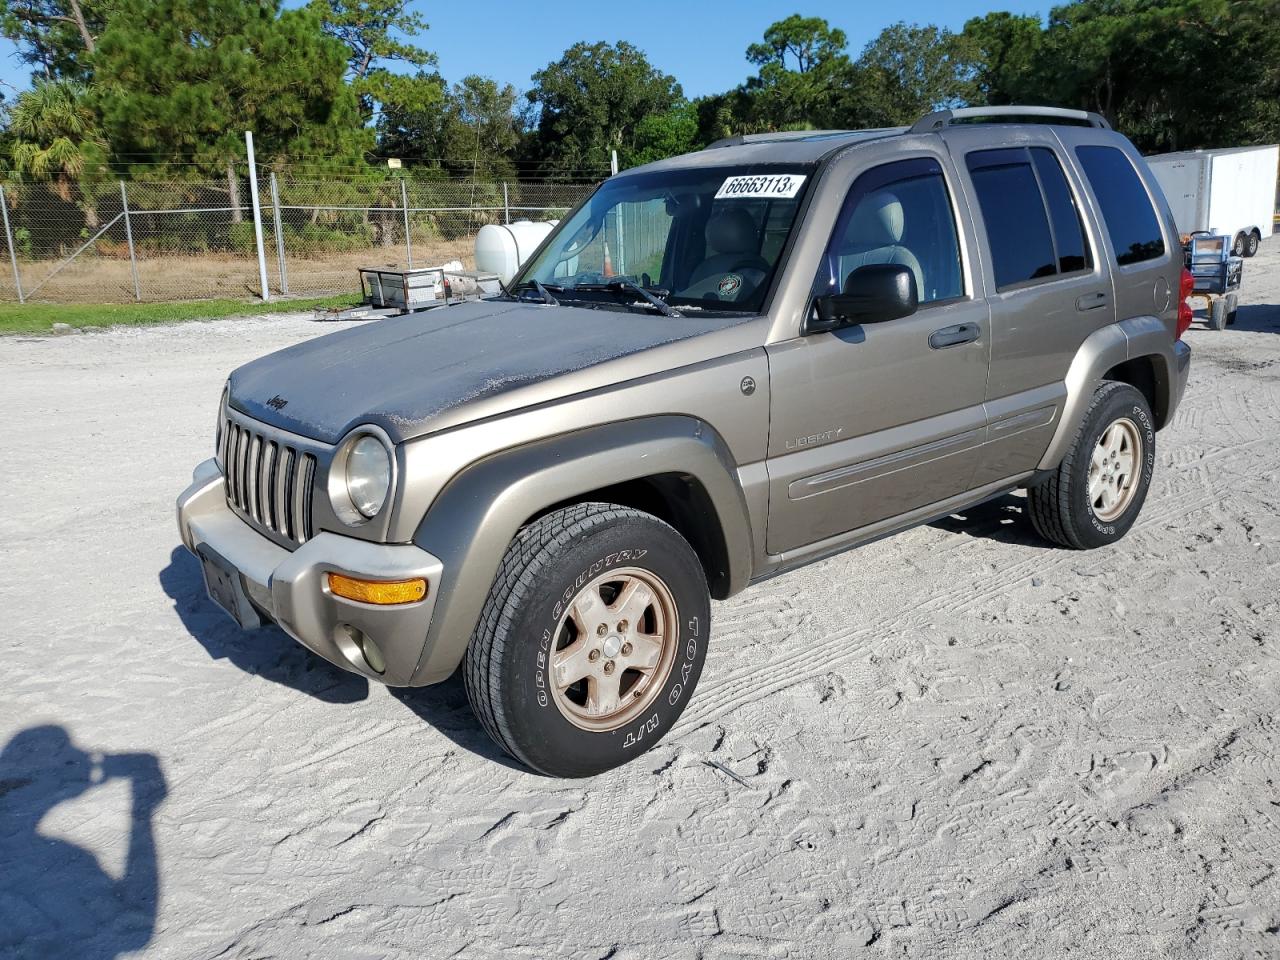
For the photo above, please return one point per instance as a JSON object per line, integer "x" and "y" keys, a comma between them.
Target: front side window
{"x": 898, "y": 213}
{"x": 709, "y": 238}
{"x": 1126, "y": 207}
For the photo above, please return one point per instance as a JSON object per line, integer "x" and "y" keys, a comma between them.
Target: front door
{"x": 876, "y": 420}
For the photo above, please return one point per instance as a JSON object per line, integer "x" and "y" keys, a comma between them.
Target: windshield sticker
{"x": 730, "y": 284}
{"x": 779, "y": 187}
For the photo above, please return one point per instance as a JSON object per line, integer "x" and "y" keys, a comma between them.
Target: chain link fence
{"x": 115, "y": 241}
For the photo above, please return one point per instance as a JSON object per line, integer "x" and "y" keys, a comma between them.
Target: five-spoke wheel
{"x": 1113, "y": 469}
{"x": 614, "y": 648}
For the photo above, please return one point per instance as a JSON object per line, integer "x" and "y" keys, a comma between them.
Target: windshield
{"x": 707, "y": 238}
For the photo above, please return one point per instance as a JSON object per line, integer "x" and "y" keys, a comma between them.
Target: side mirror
{"x": 872, "y": 294}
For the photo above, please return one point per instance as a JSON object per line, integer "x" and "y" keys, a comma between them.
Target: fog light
{"x": 378, "y": 591}
{"x": 356, "y": 645}
{"x": 372, "y": 654}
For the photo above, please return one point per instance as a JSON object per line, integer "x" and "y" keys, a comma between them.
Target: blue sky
{"x": 702, "y": 44}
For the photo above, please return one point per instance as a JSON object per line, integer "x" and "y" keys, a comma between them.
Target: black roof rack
{"x": 945, "y": 118}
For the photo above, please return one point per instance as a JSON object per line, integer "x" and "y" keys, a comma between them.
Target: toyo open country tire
{"x": 615, "y": 585}
{"x": 1063, "y": 507}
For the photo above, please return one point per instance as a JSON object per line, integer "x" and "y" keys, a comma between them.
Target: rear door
{"x": 1047, "y": 285}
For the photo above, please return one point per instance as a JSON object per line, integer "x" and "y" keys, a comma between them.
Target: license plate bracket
{"x": 222, "y": 583}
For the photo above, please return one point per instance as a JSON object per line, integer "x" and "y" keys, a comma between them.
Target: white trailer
{"x": 1230, "y": 192}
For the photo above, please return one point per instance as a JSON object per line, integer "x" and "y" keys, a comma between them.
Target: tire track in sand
{"x": 808, "y": 660}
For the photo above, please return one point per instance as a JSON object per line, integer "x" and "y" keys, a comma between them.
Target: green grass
{"x": 40, "y": 317}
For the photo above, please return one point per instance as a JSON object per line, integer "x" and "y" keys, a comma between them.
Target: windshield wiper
{"x": 540, "y": 288}
{"x": 619, "y": 285}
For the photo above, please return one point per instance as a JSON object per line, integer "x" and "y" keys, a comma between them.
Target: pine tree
{"x": 181, "y": 80}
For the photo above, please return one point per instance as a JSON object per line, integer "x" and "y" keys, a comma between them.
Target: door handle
{"x": 1091, "y": 301}
{"x": 953, "y": 336}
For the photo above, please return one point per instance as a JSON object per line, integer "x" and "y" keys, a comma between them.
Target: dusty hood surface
{"x": 403, "y": 373}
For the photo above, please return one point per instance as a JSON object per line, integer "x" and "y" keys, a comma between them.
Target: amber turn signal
{"x": 378, "y": 591}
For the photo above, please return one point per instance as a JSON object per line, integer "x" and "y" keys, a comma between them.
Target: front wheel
{"x": 1251, "y": 244}
{"x": 1094, "y": 496}
{"x": 591, "y": 641}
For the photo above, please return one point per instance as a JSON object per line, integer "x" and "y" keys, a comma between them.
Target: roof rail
{"x": 945, "y": 118}
{"x": 776, "y": 136}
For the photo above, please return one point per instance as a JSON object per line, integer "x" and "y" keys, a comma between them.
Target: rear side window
{"x": 1014, "y": 213}
{"x": 1068, "y": 231}
{"x": 1126, "y": 208}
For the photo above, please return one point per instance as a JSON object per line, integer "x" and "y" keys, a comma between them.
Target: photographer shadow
{"x": 56, "y": 899}
{"x": 268, "y": 653}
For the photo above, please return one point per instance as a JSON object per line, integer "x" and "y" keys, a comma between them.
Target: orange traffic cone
{"x": 608, "y": 261}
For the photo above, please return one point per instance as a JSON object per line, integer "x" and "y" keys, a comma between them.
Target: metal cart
{"x": 392, "y": 291}
{"x": 1215, "y": 276}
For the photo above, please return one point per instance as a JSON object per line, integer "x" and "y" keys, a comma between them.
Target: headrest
{"x": 732, "y": 231}
{"x": 877, "y": 222}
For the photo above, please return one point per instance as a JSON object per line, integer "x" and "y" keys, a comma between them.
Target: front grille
{"x": 269, "y": 483}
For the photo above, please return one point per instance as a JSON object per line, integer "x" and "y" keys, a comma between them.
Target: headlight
{"x": 367, "y": 479}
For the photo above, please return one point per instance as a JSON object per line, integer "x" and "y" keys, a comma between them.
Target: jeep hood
{"x": 411, "y": 374}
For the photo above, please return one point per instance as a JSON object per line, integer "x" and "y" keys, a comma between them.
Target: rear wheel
{"x": 1251, "y": 242}
{"x": 591, "y": 641}
{"x": 1095, "y": 495}
{"x": 1237, "y": 246}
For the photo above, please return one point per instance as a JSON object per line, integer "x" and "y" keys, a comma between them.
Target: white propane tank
{"x": 501, "y": 249}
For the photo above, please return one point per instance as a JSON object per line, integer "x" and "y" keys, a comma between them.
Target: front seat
{"x": 875, "y": 236}
{"x": 732, "y": 234}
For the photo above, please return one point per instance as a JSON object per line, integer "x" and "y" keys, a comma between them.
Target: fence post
{"x": 257, "y": 217}
{"x": 408, "y": 242}
{"x": 128, "y": 236}
{"x": 506, "y": 205}
{"x": 275, "y": 206}
{"x": 8, "y": 238}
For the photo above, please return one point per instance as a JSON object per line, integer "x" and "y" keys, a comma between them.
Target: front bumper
{"x": 267, "y": 582}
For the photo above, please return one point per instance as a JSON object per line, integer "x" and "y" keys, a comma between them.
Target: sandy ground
{"x": 956, "y": 742}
